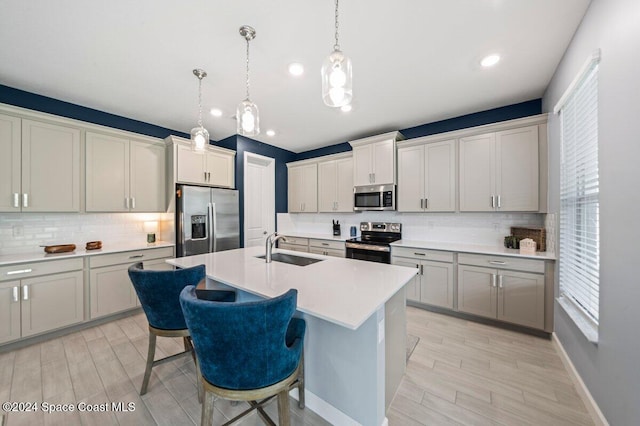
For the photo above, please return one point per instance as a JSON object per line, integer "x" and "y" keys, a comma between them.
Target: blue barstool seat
{"x": 250, "y": 351}
{"x": 159, "y": 295}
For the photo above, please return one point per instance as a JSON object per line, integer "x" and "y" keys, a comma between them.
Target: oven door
{"x": 380, "y": 254}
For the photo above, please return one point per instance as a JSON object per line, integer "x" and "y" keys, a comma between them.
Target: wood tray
{"x": 60, "y": 248}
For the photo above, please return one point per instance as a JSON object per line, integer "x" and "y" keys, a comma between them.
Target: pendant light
{"x": 247, "y": 114}
{"x": 337, "y": 79}
{"x": 199, "y": 135}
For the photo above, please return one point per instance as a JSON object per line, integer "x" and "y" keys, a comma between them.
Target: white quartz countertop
{"x": 40, "y": 255}
{"x": 342, "y": 291}
{"x": 318, "y": 236}
{"x": 470, "y": 248}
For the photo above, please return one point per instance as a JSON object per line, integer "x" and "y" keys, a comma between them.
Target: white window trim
{"x": 587, "y": 325}
{"x": 594, "y": 58}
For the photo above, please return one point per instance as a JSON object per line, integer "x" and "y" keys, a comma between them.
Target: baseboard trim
{"x": 592, "y": 407}
{"x": 326, "y": 410}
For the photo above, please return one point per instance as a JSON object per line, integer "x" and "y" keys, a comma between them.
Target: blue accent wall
{"x": 509, "y": 112}
{"x": 327, "y": 150}
{"x": 20, "y": 98}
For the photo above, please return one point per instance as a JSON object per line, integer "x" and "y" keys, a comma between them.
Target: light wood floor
{"x": 459, "y": 373}
{"x": 467, "y": 373}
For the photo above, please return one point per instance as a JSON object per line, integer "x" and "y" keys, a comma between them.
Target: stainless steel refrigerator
{"x": 207, "y": 220}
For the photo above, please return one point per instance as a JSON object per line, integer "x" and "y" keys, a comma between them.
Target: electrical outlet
{"x": 18, "y": 230}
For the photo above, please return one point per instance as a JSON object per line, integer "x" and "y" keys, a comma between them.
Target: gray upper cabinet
{"x": 427, "y": 177}
{"x": 500, "y": 171}
{"x": 303, "y": 188}
{"x": 124, "y": 175}
{"x": 374, "y": 159}
{"x": 335, "y": 185}
{"x": 40, "y": 166}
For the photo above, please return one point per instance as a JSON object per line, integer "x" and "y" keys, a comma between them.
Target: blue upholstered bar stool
{"x": 250, "y": 351}
{"x": 159, "y": 294}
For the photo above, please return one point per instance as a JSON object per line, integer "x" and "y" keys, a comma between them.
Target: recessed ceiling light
{"x": 296, "y": 69}
{"x": 271, "y": 132}
{"x": 346, "y": 108}
{"x": 216, "y": 112}
{"x": 490, "y": 60}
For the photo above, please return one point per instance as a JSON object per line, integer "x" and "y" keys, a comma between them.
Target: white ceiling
{"x": 414, "y": 61}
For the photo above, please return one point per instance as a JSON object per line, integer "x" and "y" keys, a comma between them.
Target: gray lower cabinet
{"x": 434, "y": 284}
{"x": 39, "y": 297}
{"x": 110, "y": 289}
{"x": 294, "y": 243}
{"x": 327, "y": 247}
{"x": 511, "y": 296}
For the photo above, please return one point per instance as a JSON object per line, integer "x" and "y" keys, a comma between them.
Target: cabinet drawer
{"x": 294, "y": 247}
{"x": 297, "y": 241}
{"x": 327, "y": 251}
{"x": 502, "y": 262}
{"x": 28, "y": 270}
{"x": 130, "y": 256}
{"x": 418, "y": 253}
{"x": 327, "y": 244}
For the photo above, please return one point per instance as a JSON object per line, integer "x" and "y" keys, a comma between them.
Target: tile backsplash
{"x": 25, "y": 232}
{"x": 474, "y": 228}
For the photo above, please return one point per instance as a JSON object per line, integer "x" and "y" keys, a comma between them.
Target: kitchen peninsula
{"x": 356, "y": 324}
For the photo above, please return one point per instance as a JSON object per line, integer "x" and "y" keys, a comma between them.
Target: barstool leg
{"x": 206, "y": 416}
{"x": 150, "y": 355}
{"x": 283, "y": 408}
{"x": 301, "y": 382}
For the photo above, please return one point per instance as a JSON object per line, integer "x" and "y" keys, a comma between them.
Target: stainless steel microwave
{"x": 374, "y": 197}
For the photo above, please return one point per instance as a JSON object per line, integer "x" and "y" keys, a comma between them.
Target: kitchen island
{"x": 356, "y": 324}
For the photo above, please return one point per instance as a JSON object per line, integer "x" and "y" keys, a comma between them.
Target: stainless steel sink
{"x": 292, "y": 259}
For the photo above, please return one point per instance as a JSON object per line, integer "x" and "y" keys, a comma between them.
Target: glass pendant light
{"x": 247, "y": 114}
{"x": 337, "y": 79}
{"x": 199, "y": 135}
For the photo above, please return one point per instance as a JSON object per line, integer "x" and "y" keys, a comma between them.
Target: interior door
{"x": 259, "y": 198}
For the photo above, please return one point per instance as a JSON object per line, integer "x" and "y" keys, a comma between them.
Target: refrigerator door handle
{"x": 214, "y": 227}
{"x": 210, "y": 227}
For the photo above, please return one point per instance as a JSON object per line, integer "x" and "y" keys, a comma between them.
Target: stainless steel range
{"x": 374, "y": 242}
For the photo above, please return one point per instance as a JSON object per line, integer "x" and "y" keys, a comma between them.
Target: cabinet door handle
{"x": 493, "y": 202}
{"x": 421, "y": 269}
{"x": 499, "y": 281}
{"x": 133, "y": 202}
{"x": 126, "y": 203}
{"x": 25, "y": 200}
{"x": 16, "y": 200}
{"x": 493, "y": 280}
{"x": 137, "y": 256}
{"x": 374, "y": 177}
{"x": 16, "y": 292}
{"x": 20, "y": 271}
{"x": 208, "y": 176}
{"x": 497, "y": 262}
{"x": 498, "y": 197}
{"x": 419, "y": 254}
{"x": 205, "y": 176}
{"x": 422, "y": 203}
{"x": 325, "y": 244}
{"x": 25, "y": 292}
{"x": 426, "y": 203}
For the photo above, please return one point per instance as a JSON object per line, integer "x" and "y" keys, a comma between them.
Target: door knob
{"x": 264, "y": 232}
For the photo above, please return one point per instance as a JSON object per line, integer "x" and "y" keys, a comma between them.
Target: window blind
{"x": 579, "y": 260}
